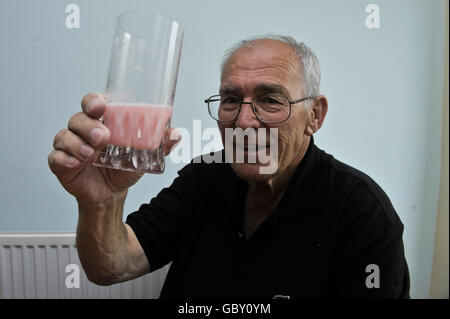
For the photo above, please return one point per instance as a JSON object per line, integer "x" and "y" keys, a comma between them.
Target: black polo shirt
{"x": 331, "y": 226}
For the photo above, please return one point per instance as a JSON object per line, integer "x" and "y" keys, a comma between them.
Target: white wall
{"x": 384, "y": 88}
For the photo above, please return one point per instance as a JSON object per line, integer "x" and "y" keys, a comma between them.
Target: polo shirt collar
{"x": 302, "y": 192}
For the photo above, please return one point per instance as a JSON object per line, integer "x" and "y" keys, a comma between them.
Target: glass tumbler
{"x": 140, "y": 91}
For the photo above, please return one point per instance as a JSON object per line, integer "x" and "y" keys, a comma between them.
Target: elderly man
{"x": 313, "y": 228}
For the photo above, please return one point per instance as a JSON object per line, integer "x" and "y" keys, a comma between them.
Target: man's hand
{"x": 76, "y": 147}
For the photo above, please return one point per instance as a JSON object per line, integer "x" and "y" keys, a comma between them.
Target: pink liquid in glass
{"x": 137, "y": 125}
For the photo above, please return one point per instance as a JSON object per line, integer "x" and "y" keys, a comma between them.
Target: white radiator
{"x": 33, "y": 265}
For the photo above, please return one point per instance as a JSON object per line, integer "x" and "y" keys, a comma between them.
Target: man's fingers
{"x": 75, "y": 146}
{"x": 61, "y": 162}
{"x": 93, "y": 104}
{"x": 90, "y": 130}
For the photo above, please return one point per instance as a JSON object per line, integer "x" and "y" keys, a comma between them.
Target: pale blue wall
{"x": 384, "y": 88}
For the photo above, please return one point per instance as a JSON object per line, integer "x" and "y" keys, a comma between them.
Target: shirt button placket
{"x": 241, "y": 258}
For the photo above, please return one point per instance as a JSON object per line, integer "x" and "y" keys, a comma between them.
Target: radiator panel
{"x": 33, "y": 265}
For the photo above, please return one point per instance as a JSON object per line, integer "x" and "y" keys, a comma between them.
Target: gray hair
{"x": 308, "y": 59}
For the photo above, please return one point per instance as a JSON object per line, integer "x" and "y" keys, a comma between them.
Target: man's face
{"x": 266, "y": 67}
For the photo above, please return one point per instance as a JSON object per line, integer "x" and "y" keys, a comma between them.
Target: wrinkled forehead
{"x": 263, "y": 61}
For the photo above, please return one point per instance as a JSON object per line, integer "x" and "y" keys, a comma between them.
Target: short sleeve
{"x": 369, "y": 259}
{"x": 161, "y": 224}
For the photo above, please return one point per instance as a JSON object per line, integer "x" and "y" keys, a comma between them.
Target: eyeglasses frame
{"x": 214, "y": 98}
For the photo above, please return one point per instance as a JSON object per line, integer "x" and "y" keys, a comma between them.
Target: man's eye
{"x": 230, "y": 100}
{"x": 270, "y": 100}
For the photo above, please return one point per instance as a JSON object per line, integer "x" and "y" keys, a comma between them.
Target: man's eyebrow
{"x": 262, "y": 88}
{"x": 272, "y": 88}
{"x": 229, "y": 90}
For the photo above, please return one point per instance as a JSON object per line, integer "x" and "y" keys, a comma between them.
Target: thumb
{"x": 173, "y": 137}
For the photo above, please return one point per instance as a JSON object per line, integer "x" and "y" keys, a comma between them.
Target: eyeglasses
{"x": 269, "y": 109}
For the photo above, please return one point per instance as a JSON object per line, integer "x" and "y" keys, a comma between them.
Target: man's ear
{"x": 316, "y": 114}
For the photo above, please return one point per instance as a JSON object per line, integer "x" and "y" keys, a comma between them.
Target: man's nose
{"x": 247, "y": 117}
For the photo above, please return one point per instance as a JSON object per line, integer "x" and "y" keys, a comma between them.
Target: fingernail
{"x": 71, "y": 161}
{"x": 86, "y": 150}
{"x": 94, "y": 102}
{"x": 96, "y": 135}
{"x": 175, "y": 135}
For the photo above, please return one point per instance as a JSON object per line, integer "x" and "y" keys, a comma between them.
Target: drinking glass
{"x": 140, "y": 91}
